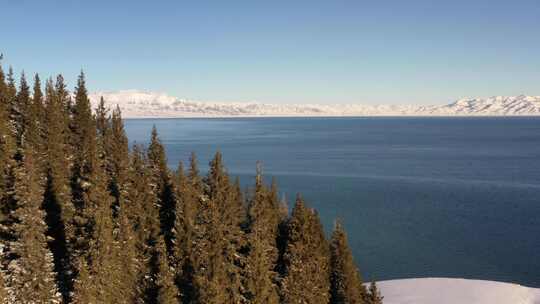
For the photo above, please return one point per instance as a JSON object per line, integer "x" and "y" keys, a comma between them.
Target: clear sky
{"x": 296, "y": 51}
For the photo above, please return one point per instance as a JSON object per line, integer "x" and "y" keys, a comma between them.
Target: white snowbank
{"x": 456, "y": 291}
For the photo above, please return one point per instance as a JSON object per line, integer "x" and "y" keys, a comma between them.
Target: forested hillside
{"x": 87, "y": 219}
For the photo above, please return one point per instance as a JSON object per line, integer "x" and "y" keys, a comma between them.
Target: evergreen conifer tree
{"x": 7, "y": 153}
{"x": 161, "y": 179}
{"x": 167, "y": 290}
{"x": 183, "y": 234}
{"x": 35, "y": 125}
{"x": 126, "y": 258}
{"x": 85, "y": 170}
{"x": 31, "y": 279}
{"x": 346, "y": 284}
{"x": 21, "y": 109}
{"x": 93, "y": 238}
{"x": 222, "y": 212}
{"x": 143, "y": 213}
{"x": 117, "y": 158}
{"x": 374, "y": 295}
{"x": 11, "y": 98}
{"x": 57, "y": 202}
{"x": 306, "y": 259}
{"x": 263, "y": 219}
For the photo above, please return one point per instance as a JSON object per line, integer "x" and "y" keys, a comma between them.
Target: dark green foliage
{"x": 21, "y": 109}
{"x": 346, "y": 284}
{"x": 87, "y": 178}
{"x": 126, "y": 257}
{"x": 85, "y": 220}
{"x": 142, "y": 211}
{"x": 57, "y": 201}
{"x": 210, "y": 279}
{"x": 117, "y": 158}
{"x": 260, "y": 276}
{"x": 306, "y": 259}
{"x": 7, "y": 153}
{"x": 218, "y": 238}
{"x": 184, "y": 234}
{"x": 167, "y": 291}
{"x": 163, "y": 186}
{"x": 31, "y": 276}
{"x": 35, "y": 134}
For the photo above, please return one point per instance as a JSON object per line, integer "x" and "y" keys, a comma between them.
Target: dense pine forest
{"x": 85, "y": 218}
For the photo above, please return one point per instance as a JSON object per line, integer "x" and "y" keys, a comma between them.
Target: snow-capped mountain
{"x": 134, "y": 103}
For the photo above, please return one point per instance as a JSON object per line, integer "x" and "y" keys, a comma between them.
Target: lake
{"x": 419, "y": 197}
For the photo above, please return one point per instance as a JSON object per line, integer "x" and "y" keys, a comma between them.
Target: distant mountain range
{"x": 139, "y": 104}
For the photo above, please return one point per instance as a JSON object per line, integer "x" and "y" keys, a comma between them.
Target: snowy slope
{"x": 456, "y": 291}
{"x": 149, "y": 104}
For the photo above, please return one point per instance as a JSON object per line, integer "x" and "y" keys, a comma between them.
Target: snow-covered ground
{"x": 134, "y": 103}
{"x": 455, "y": 291}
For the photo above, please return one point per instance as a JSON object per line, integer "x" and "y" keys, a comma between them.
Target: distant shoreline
{"x": 140, "y": 104}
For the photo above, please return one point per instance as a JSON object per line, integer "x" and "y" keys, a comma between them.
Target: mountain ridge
{"x": 145, "y": 104}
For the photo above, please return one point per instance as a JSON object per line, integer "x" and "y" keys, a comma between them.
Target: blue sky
{"x": 333, "y": 51}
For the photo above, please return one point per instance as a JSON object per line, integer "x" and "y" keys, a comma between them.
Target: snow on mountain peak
{"x": 136, "y": 103}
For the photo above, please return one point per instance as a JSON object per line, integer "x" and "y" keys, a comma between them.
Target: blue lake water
{"x": 420, "y": 197}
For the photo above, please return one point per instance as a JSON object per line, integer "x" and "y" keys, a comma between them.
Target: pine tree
{"x": 164, "y": 186}
{"x": 143, "y": 213}
{"x": 346, "y": 284}
{"x": 117, "y": 151}
{"x": 100, "y": 256}
{"x": 127, "y": 259}
{"x": 183, "y": 234}
{"x": 31, "y": 279}
{"x": 167, "y": 291}
{"x": 57, "y": 202}
{"x": 141, "y": 199}
{"x": 84, "y": 172}
{"x": 102, "y": 119}
{"x": 374, "y": 295}
{"x": 36, "y": 125}
{"x": 11, "y": 98}
{"x": 93, "y": 238}
{"x": 21, "y": 109}
{"x": 117, "y": 167}
{"x": 68, "y": 115}
{"x": 306, "y": 259}
{"x": 7, "y": 155}
{"x": 209, "y": 274}
{"x": 263, "y": 219}
{"x": 222, "y": 212}
{"x": 259, "y": 277}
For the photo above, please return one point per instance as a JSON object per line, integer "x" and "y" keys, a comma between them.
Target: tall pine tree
{"x": 8, "y": 149}
{"x": 263, "y": 220}
{"x": 306, "y": 259}
{"x": 31, "y": 279}
{"x": 162, "y": 181}
{"x": 346, "y": 283}
{"x": 167, "y": 290}
{"x": 57, "y": 202}
{"x": 183, "y": 234}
